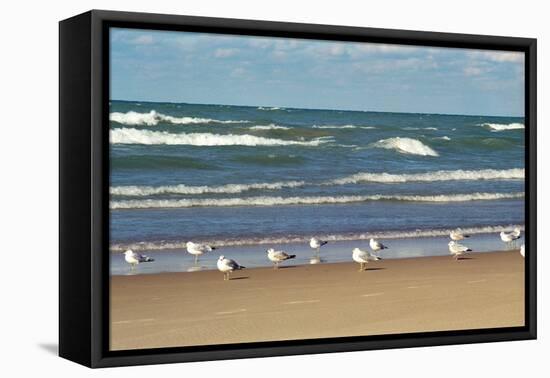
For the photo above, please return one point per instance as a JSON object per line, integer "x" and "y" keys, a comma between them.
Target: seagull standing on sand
{"x": 457, "y": 235}
{"x": 198, "y": 249}
{"x": 317, "y": 244}
{"x": 458, "y": 249}
{"x": 376, "y": 245}
{"x": 278, "y": 256}
{"x": 363, "y": 257}
{"x": 509, "y": 237}
{"x": 226, "y": 266}
{"x": 134, "y": 259}
{"x": 522, "y": 250}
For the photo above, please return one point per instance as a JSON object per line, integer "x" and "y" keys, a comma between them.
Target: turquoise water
{"x": 236, "y": 176}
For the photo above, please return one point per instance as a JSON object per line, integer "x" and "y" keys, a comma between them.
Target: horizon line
{"x": 326, "y": 109}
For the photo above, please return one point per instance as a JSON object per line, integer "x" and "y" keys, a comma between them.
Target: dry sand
{"x": 484, "y": 290}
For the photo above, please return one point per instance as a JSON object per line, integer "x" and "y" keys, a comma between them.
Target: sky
{"x": 203, "y": 68}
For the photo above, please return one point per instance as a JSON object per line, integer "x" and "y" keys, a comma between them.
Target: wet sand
{"x": 483, "y": 290}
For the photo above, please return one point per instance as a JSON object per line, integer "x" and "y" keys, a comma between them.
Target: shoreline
{"x": 254, "y": 256}
{"x": 421, "y": 294}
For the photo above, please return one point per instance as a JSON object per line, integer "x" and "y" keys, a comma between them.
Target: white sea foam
{"x": 502, "y": 127}
{"x": 133, "y": 190}
{"x": 149, "y": 137}
{"x": 342, "y": 127}
{"x": 269, "y": 127}
{"x": 153, "y": 118}
{"x": 456, "y": 175}
{"x": 420, "y": 128}
{"x": 269, "y": 108}
{"x": 363, "y": 177}
{"x": 406, "y": 146}
{"x": 275, "y": 240}
{"x": 445, "y": 137}
{"x": 317, "y": 200}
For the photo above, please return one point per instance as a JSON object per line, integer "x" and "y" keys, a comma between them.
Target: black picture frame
{"x": 84, "y": 193}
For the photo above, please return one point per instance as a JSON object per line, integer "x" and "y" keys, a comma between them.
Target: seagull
{"x": 522, "y": 250}
{"x": 363, "y": 257}
{"x": 317, "y": 244}
{"x": 376, "y": 245}
{"x": 198, "y": 249}
{"x": 458, "y": 235}
{"x": 509, "y": 237}
{"x": 134, "y": 259}
{"x": 457, "y": 249}
{"x": 226, "y": 266}
{"x": 278, "y": 256}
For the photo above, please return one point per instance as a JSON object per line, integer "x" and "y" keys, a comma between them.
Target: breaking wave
{"x": 133, "y": 190}
{"x": 501, "y": 126}
{"x": 456, "y": 175}
{"x": 275, "y": 240}
{"x": 269, "y": 127}
{"x": 420, "y": 128}
{"x": 406, "y": 146}
{"x": 342, "y": 127}
{"x": 317, "y": 200}
{"x": 153, "y": 118}
{"x": 148, "y": 137}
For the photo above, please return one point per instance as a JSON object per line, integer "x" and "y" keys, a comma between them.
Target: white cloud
{"x": 225, "y": 52}
{"x": 145, "y": 39}
{"x": 472, "y": 71}
{"x": 499, "y": 56}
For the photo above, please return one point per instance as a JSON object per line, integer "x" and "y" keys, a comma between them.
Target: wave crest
{"x": 318, "y": 200}
{"x": 342, "y": 127}
{"x": 153, "y": 118}
{"x": 269, "y": 127}
{"x": 406, "y": 146}
{"x": 133, "y": 190}
{"x": 502, "y": 127}
{"x": 457, "y": 175}
{"x": 135, "y": 136}
{"x": 275, "y": 240}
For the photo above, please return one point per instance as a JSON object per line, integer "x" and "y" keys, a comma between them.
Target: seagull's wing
{"x": 280, "y": 255}
{"x": 232, "y": 264}
{"x": 145, "y": 258}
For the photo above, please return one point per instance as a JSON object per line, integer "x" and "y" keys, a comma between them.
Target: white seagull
{"x": 134, "y": 259}
{"x": 522, "y": 250}
{"x": 317, "y": 244}
{"x": 226, "y": 266}
{"x": 278, "y": 256}
{"x": 363, "y": 257}
{"x": 509, "y": 237}
{"x": 458, "y": 249}
{"x": 376, "y": 245}
{"x": 458, "y": 235}
{"x": 198, "y": 249}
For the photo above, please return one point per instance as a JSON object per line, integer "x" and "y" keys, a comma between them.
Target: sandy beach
{"x": 483, "y": 290}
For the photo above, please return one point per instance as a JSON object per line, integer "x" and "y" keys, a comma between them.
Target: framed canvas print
{"x": 234, "y": 188}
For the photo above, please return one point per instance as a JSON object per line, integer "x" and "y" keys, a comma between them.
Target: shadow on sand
{"x": 238, "y": 278}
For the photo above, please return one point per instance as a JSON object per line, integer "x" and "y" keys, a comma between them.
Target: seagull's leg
{"x": 196, "y": 259}
{"x": 360, "y": 267}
